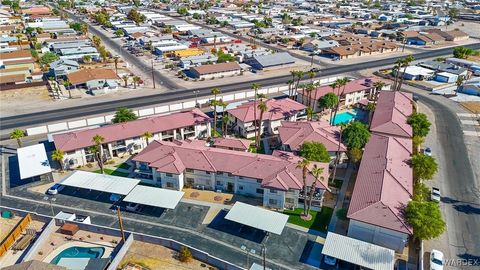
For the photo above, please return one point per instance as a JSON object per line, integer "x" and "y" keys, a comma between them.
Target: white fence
{"x": 158, "y": 110}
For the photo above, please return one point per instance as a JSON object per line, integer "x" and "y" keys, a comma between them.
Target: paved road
{"x": 459, "y": 186}
{"x": 173, "y": 95}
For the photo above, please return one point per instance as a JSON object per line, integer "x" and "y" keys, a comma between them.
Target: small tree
{"x": 48, "y": 58}
{"x": 147, "y": 135}
{"x": 119, "y": 33}
{"x": 97, "y": 150}
{"x": 355, "y": 155}
{"x": 425, "y": 218}
{"x": 328, "y": 101}
{"x": 87, "y": 58}
{"x": 355, "y": 135}
{"x": 262, "y": 106}
{"x": 123, "y": 115}
{"x": 316, "y": 172}
{"x": 420, "y": 124}
{"x": 17, "y": 134}
{"x": 58, "y": 155}
{"x": 314, "y": 151}
{"x": 67, "y": 85}
{"x": 303, "y": 164}
{"x": 125, "y": 80}
{"x": 136, "y": 80}
{"x": 184, "y": 255}
{"x": 424, "y": 167}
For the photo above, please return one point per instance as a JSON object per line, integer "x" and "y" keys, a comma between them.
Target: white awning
{"x": 257, "y": 217}
{"x": 153, "y": 196}
{"x": 100, "y": 182}
{"x": 358, "y": 252}
{"x": 33, "y": 161}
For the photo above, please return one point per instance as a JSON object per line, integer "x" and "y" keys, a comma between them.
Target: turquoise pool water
{"x": 79, "y": 252}
{"x": 346, "y": 117}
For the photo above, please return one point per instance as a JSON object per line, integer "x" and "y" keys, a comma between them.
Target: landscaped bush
{"x": 184, "y": 255}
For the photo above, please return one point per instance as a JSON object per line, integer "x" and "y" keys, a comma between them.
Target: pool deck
{"x": 58, "y": 242}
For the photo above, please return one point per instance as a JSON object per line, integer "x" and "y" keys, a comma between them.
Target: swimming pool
{"x": 348, "y": 116}
{"x": 79, "y": 252}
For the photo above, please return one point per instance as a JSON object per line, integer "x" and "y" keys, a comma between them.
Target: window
{"x": 273, "y": 191}
{"x": 70, "y": 153}
{"x": 260, "y": 190}
{"x": 230, "y": 175}
{"x": 169, "y": 175}
{"x": 259, "y": 181}
{"x": 219, "y": 183}
{"x": 189, "y": 170}
{"x": 272, "y": 201}
{"x": 240, "y": 187}
{"x": 219, "y": 173}
{"x": 289, "y": 200}
{"x": 240, "y": 177}
{"x": 169, "y": 185}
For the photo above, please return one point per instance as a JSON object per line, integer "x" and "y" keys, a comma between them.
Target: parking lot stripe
{"x": 470, "y": 122}
{"x": 471, "y": 133}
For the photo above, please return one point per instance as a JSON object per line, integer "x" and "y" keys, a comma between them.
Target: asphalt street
{"x": 25, "y": 120}
{"x": 460, "y": 189}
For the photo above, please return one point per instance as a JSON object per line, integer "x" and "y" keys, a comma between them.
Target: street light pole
{"x": 196, "y": 96}
{"x": 153, "y": 75}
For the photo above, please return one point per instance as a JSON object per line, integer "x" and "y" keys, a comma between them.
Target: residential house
{"x": 425, "y": 38}
{"x": 354, "y": 92}
{"x": 452, "y": 35}
{"x": 270, "y": 61}
{"x": 191, "y": 61}
{"x": 274, "y": 179}
{"x": 417, "y": 73}
{"x": 60, "y": 68}
{"x": 215, "y": 70}
{"x": 127, "y": 138}
{"x": 241, "y": 118}
{"x": 384, "y": 183}
{"x": 16, "y": 67}
{"x": 358, "y": 48}
{"x": 79, "y": 52}
{"x": 96, "y": 80}
{"x": 319, "y": 45}
{"x": 293, "y": 134}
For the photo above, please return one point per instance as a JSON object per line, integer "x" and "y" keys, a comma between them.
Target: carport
{"x": 257, "y": 217}
{"x": 33, "y": 161}
{"x": 100, "y": 182}
{"x": 358, "y": 252}
{"x": 153, "y": 196}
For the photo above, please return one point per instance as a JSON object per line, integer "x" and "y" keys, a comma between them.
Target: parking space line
{"x": 470, "y": 122}
{"x": 471, "y": 133}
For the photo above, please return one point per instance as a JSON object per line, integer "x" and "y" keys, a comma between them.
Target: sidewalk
{"x": 340, "y": 198}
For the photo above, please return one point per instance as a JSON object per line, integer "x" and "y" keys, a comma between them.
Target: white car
{"x": 428, "y": 151}
{"x": 329, "y": 260}
{"x": 55, "y": 189}
{"x": 435, "y": 196}
{"x": 133, "y": 207}
{"x": 436, "y": 260}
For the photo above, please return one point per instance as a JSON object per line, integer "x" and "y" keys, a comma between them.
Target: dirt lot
{"x": 473, "y": 106}
{"x": 6, "y": 225}
{"x": 19, "y": 100}
{"x": 156, "y": 257}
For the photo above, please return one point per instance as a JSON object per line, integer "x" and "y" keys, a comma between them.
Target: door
{"x": 229, "y": 187}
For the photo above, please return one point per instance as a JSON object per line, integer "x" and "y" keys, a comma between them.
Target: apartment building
{"x": 274, "y": 179}
{"x": 241, "y": 118}
{"x": 128, "y": 138}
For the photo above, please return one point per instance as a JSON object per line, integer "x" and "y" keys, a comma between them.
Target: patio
{"x": 218, "y": 197}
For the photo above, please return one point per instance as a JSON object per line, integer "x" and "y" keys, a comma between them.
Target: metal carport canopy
{"x": 257, "y": 217}
{"x": 153, "y": 196}
{"x": 100, "y": 182}
{"x": 358, "y": 252}
{"x": 33, "y": 161}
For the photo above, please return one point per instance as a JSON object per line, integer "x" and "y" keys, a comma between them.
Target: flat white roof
{"x": 257, "y": 217}
{"x": 153, "y": 196}
{"x": 33, "y": 161}
{"x": 358, "y": 252}
{"x": 100, "y": 182}
{"x": 416, "y": 70}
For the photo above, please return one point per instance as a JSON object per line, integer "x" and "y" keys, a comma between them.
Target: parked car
{"x": 435, "y": 196}
{"x": 115, "y": 197}
{"x": 436, "y": 260}
{"x": 133, "y": 207}
{"x": 55, "y": 189}
{"x": 329, "y": 260}
{"x": 428, "y": 151}
{"x": 415, "y": 98}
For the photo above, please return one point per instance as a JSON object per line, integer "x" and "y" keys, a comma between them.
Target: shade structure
{"x": 33, "y": 161}
{"x": 358, "y": 252}
{"x": 100, "y": 182}
{"x": 153, "y": 196}
{"x": 257, "y": 217}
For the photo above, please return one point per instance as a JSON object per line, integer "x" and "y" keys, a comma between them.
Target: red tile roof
{"x": 384, "y": 184}
{"x": 15, "y": 55}
{"x": 278, "y": 172}
{"x": 391, "y": 113}
{"x": 351, "y": 87}
{"x": 277, "y": 109}
{"x": 232, "y": 143}
{"x": 85, "y": 75}
{"x": 294, "y": 134}
{"x": 36, "y": 10}
{"x": 83, "y": 138}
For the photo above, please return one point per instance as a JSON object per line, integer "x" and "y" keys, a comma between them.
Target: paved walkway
{"x": 340, "y": 198}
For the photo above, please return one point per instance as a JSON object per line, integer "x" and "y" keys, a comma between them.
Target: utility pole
{"x": 120, "y": 223}
{"x": 153, "y": 75}
{"x": 264, "y": 251}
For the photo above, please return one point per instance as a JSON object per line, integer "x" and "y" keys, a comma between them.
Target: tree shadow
{"x": 467, "y": 209}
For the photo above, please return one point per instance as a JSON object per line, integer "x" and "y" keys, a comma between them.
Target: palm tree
{"x": 303, "y": 164}
{"x": 19, "y": 40}
{"x": 115, "y": 62}
{"x": 57, "y": 155}
{"x": 17, "y": 134}
{"x": 311, "y": 74}
{"x": 396, "y": 69}
{"x": 378, "y": 87}
{"x": 136, "y": 79}
{"x": 255, "y": 87}
{"x": 224, "y": 117}
{"x": 125, "y": 80}
{"x": 337, "y": 154}
{"x": 84, "y": 29}
{"x": 370, "y": 108}
{"x": 215, "y": 43}
{"x": 334, "y": 86}
{"x": 147, "y": 135}
{"x": 310, "y": 88}
{"x": 341, "y": 83}
{"x": 96, "y": 41}
{"x": 67, "y": 85}
{"x": 406, "y": 62}
{"x": 459, "y": 83}
{"x": 310, "y": 113}
{"x": 87, "y": 58}
{"x": 290, "y": 83}
{"x": 299, "y": 74}
{"x": 98, "y": 140}
{"x": 263, "y": 108}
{"x": 316, "y": 172}
{"x": 215, "y": 91}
